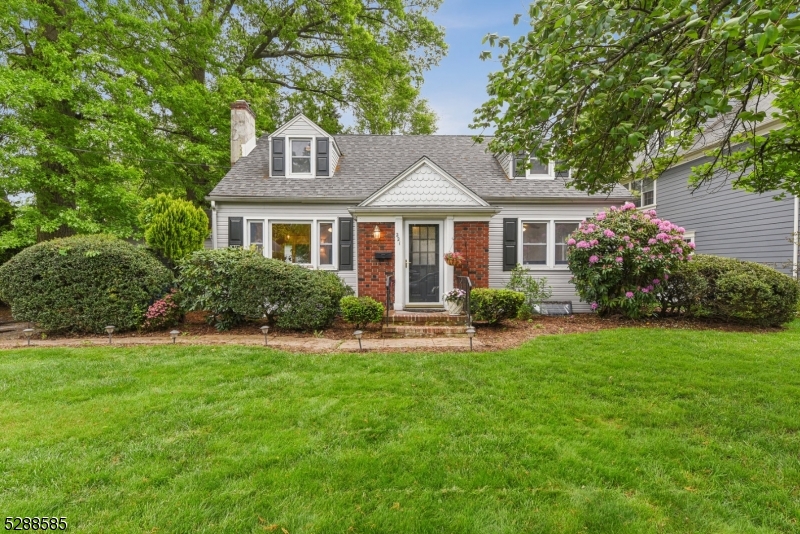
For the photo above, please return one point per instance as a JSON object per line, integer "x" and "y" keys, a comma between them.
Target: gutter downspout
{"x": 796, "y": 237}
{"x": 214, "y": 224}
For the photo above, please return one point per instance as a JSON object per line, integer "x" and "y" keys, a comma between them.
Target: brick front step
{"x": 424, "y": 331}
{"x": 425, "y": 318}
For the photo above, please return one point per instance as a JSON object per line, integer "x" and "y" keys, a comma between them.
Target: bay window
{"x": 291, "y": 242}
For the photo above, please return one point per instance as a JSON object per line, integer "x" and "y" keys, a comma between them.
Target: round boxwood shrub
{"x": 619, "y": 257}
{"x": 360, "y": 311}
{"x": 83, "y": 283}
{"x": 733, "y": 290}
{"x": 495, "y": 305}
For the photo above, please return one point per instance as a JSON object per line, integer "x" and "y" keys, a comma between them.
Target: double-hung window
{"x": 644, "y": 192}
{"x": 325, "y": 244}
{"x": 525, "y": 167}
{"x": 256, "y": 235}
{"x": 302, "y": 156}
{"x": 544, "y": 243}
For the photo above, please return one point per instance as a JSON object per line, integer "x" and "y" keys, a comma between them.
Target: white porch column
{"x": 448, "y": 245}
{"x": 400, "y": 271}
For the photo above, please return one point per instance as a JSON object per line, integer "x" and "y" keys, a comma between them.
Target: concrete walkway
{"x": 290, "y": 343}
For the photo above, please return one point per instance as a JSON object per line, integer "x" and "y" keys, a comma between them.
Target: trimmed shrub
{"x": 360, "y": 311}
{"x": 291, "y": 296}
{"x": 495, "y": 305}
{"x": 733, "y": 290}
{"x": 82, "y": 284}
{"x": 205, "y": 280}
{"x": 173, "y": 227}
{"x": 619, "y": 258}
{"x": 535, "y": 291}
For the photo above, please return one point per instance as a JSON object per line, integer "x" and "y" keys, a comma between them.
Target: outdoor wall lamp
{"x": 109, "y": 331}
{"x": 265, "y": 331}
{"x": 376, "y": 232}
{"x": 174, "y": 335}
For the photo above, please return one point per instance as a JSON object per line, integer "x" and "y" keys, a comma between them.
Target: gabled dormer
{"x": 301, "y": 149}
{"x": 525, "y": 166}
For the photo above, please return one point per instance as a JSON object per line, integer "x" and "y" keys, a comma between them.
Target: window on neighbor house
{"x": 301, "y": 156}
{"x": 644, "y": 192}
{"x": 534, "y": 243}
{"x": 291, "y": 242}
{"x": 563, "y": 230}
{"x": 326, "y": 243}
{"x": 257, "y": 235}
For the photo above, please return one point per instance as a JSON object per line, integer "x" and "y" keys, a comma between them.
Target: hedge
{"x": 360, "y": 311}
{"x": 82, "y": 284}
{"x": 495, "y": 305}
{"x": 731, "y": 290}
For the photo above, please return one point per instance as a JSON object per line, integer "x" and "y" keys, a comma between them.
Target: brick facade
{"x": 371, "y": 271}
{"x": 472, "y": 240}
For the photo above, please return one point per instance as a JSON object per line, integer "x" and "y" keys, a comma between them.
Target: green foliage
{"x": 107, "y": 102}
{"x": 205, "y": 279}
{"x": 360, "y": 311}
{"x": 535, "y": 291}
{"x": 291, "y": 296}
{"x": 173, "y": 227}
{"x": 163, "y": 313}
{"x": 596, "y": 83}
{"x": 82, "y": 284}
{"x": 733, "y": 290}
{"x": 495, "y": 305}
{"x": 619, "y": 257}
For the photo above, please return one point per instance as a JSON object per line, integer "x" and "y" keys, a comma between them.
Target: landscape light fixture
{"x": 376, "y": 233}
{"x": 265, "y": 331}
{"x": 358, "y": 334}
{"x": 174, "y": 335}
{"x": 109, "y": 331}
{"x": 28, "y": 333}
{"x": 470, "y": 334}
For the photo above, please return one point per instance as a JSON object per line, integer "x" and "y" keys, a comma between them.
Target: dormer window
{"x": 534, "y": 169}
{"x": 302, "y": 156}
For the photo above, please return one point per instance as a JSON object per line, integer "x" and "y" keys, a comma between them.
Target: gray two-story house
{"x": 368, "y": 206}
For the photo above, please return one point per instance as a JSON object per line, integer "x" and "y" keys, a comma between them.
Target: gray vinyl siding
{"x": 727, "y": 221}
{"x": 557, "y": 277}
{"x": 286, "y": 212}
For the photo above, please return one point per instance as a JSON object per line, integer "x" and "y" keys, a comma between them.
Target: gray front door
{"x": 423, "y": 268}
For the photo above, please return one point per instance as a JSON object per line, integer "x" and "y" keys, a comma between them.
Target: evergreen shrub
{"x": 495, "y": 305}
{"x": 361, "y": 311}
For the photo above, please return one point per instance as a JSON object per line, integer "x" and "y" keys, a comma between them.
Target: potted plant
{"x": 456, "y": 259}
{"x": 454, "y": 301}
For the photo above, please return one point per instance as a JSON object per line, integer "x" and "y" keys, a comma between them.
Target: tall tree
{"x": 619, "y": 89}
{"x": 105, "y": 102}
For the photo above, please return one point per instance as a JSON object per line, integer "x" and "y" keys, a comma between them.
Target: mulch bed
{"x": 508, "y": 335}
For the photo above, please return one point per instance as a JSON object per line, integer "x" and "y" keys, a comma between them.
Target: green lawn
{"x": 633, "y": 430}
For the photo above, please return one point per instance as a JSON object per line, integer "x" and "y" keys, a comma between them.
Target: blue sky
{"x": 457, "y": 86}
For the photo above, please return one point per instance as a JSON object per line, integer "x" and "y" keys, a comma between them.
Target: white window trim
{"x": 334, "y": 247}
{"x": 551, "y": 244}
{"x": 289, "y": 173}
{"x": 315, "y": 243}
{"x": 246, "y": 240}
{"x": 296, "y": 221}
{"x": 691, "y": 236}
{"x": 655, "y": 193}
{"x": 551, "y": 172}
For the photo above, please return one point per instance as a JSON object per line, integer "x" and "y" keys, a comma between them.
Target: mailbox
{"x": 383, "y": 255}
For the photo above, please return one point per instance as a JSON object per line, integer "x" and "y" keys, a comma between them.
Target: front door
{"x": 423, "y": 267}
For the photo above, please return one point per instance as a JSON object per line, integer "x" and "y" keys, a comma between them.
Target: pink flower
{"x": 618, "y": 259}
{"x": 626, "y": 238}
{"x": 656, "y": 281}
{"x": 608, "y": 233}
{"x": 645, "y": 290}
{"x": 681, "y": 229}
{"x": 656, "y": 221}
{"x": 593, "y": 242}
{"x": 630, "y": 245}
{"x": 571, "y": 241}
{"x": 652, "y": 212}
{"x": 629, "y": 294}
{"x": 628, "y": 206}
{"x": 666, "y": 277}
{"x": 652, "y": 241}
{"x": 613, "y": 208}
{"x": 594, "y": 259}
{"x": 594, "y": 305}
{"x": 583, "y": 244}
{"x": 691, "y": 246}
{"x": 645, "y": 249}
{"x": 601, "y": 216}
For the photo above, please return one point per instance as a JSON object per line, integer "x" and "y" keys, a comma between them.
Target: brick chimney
{"x": 243, "y": 130}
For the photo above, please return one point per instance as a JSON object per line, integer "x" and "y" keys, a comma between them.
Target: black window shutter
{"x": 510, "y": 244}
{"x": 235, "y": 231}
{"x": 346, "y": 244}
{"x": 323, "y": 157}
{"x": 278, "y": 156}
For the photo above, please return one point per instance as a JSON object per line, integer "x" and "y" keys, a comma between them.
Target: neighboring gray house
{"x": 721, "y": 220}
{"x": 366, "y": 206}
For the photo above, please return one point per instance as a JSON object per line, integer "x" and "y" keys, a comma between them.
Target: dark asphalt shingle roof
{"x": 369, "y": 162}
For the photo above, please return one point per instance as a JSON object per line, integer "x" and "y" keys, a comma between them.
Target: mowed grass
{"x": 631, "y": 430}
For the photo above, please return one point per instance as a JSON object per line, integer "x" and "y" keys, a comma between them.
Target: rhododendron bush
{"x": 620, "y": 257}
